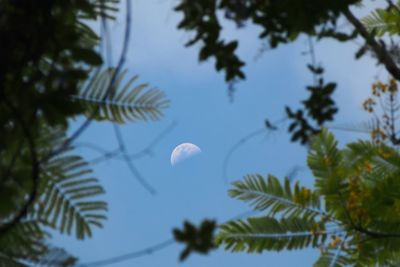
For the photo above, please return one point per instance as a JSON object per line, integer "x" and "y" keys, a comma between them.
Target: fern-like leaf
{"x": 382, "y": 21}
{"x": 365, "y": 127}
{"x": 268, "y": 233}
{"x": 69, "y": 195}
{"x": 55, "y": 257}
{"x": 269, "y": 194}
{"x": 106, "y": 8}
{"x": 326, "y": 162}
{"x": 332, "y": 259}
{"x": 381, "y": 159}
{"x": 24, "y": 242}
{"x": 8, "y": 261}
{"x": 121, "y": 102}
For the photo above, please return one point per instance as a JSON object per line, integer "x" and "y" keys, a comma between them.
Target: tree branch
{"x": 363, "y": 230}
{"x": 383, "y": 55}
{"x": 374, "y": 234}
{"x": 121, "y": 62}
{"x": 392, "y": 5}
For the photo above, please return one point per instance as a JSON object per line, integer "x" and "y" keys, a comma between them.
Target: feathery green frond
{"x": 69, "y": 196}
{"x": 121, "y": 102}
{"x": 382, "y": 21}
{"x": 386, "y": 162}
{"x": 26, "y": 245}
{"x": 325, "y": 161}
{"x": 24, "y": 241}
{"x": 56, "y": 257}
{"x": 360, "y": 189}
{"x": 106, "y": 8}
{"x": 269, "y": 194}
{"x": 332, "y": 259}
{"x": 361, "y": 151}
{"x": 268, "y": 233}
{"x": 9, "y": 261}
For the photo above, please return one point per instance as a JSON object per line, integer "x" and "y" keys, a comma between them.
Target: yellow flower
{"x": 392, "y": 86}
{"x": 384, "y": 154}
{"x": 368, "y": 166}
{"x": 335, "y": 242}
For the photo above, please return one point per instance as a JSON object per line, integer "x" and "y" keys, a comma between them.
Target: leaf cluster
{"x": 197, "y": 239}
{"x": 350, "y": 215}
{"x": 280, "y": 21}
{"x": 120, "y": 102}
{"x": 319, "y": 108}
{"x": 383, "y": 21}
{"x": 68, "y": 202}
{"x": 61, "y": 52}
{"x": 45, "y": 185}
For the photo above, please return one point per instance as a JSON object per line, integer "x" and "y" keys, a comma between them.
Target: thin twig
{"x": 269, "y": 127}
{"x": 148, "y": 149}
{"x": 129, "y": 162}
{"x": 313, "y": 59}
{"x": 129, "y": 256}
{"x": 115, "y": 153}
{"x": 121, "y": 62}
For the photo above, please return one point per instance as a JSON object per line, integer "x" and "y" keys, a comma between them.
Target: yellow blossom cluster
{"x": 367, "y": 166}
{"x": 316, "y": 229}
{"x": 385, "y": 153}
{"x": 305, "y": 193}
{"x": 336, "y": 241}
{"x": 378, "y": 135}
{"x": 393, "y": 86}
{"x": 379, "y": 87}
{"x": 303, "y": 196}
{"x": 354, "y": 199}
{"x": 369, "y": 104}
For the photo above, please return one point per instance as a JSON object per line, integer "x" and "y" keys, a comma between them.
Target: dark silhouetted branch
{"x": 380, "y": 50}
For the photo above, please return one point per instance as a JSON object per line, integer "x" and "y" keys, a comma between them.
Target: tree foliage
{"x": 45, "y": 185}
{"x": 197, "y": 239}
{"x": 351, "y": 212}
{"x": 283, "y": 22}
{"x": 119, "y": 102}
{"x": 350, "y": 215}
{"x": 383, "y": 21}
{"x": 280, "y": 21}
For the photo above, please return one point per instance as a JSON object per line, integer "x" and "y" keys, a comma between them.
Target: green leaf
{"x": 107, "y": 98}
{"x": 268, "y": 233}
{"x": 69, "y": 194}
{"x": 331, "y": 259}
{"x": 24, "y": 241}
{"x": 325, "y": 161}
{"x": 87, "y": 55}
{"x": 69, "y": 198}
{"x": 383, "y": 21}
{"x": 269, "y": 194}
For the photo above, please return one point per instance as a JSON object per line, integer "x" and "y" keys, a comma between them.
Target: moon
{"x": 184, "y": 151}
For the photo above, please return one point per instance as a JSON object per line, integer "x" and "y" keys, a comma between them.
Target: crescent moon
{"x": 184, "y": 151}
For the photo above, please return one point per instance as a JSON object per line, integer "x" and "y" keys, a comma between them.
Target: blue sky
{"x": 204, "y": 115}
